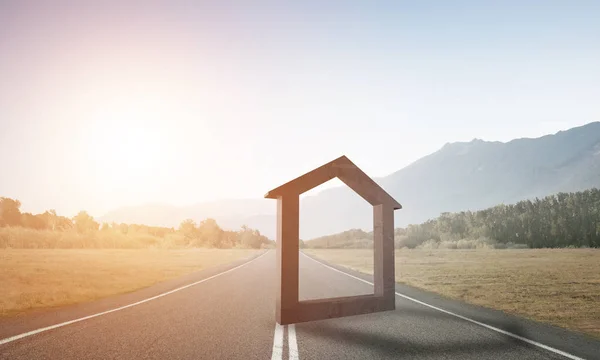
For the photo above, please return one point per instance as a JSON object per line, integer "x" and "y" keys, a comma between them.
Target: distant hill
{"x": 470, "y": 176}
{"x": 460, "y": 176}
{"x": 229, "y": 214}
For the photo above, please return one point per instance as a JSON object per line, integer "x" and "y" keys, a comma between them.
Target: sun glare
{"x": 126, "y": 145}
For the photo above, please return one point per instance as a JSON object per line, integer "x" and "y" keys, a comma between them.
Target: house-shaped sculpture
{"x": 289, "y": 309}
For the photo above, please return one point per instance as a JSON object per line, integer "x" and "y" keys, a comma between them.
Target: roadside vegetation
{"x": 548, "y": 269}
{"x": 557, "y": 286}
{"x": 49, "y": 260}
{"x": 52, "y": 231}
{"x": 43, "y": 278}
{"x": 556, "y": 221}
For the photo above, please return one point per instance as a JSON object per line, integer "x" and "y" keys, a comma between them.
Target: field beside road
{"x": 557, "y": 286}
{"x": 43, "y": 278}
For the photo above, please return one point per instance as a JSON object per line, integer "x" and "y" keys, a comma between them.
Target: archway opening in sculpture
{"x": 335, "y": 224}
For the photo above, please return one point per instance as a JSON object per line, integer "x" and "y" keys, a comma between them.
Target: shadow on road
{"x": 386, "y": 340}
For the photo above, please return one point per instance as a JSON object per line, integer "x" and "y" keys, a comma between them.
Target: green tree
{"x": 252, "y": 238}
{"x": 210, "y": 234}
{"x": 31, "y": 221}
{"x": 188, "y": 229}
{"x": 105, "y": 227}
{"x": 10, "y": 213}
{"x": 84, "y": 223}
{"x": 50, "y": 219}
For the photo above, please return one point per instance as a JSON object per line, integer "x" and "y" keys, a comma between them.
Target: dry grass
{"x": 557, "y": 286}
{"x": 32, "y": 279}
{"x": 23, "y": 238}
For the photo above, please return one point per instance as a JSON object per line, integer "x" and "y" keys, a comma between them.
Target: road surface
{"x": 228, "y": 312}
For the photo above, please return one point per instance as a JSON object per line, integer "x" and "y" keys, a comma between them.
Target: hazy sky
{"x": 181, "y": 102}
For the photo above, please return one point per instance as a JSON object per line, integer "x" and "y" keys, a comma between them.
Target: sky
{"x": 112, "y": 103}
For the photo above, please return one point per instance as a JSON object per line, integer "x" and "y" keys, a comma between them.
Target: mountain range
{"x": 460, "y": 176}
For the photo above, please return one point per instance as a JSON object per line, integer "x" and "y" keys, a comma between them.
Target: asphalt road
{"x": 228, "y": 312}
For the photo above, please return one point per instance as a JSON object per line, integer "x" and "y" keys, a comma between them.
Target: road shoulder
{"x": 36, "y": 319}
{"x": 581, "y": 345}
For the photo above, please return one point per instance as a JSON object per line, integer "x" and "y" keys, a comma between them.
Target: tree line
{"x": 555, "y": 221}
{"x": 49, "y": 230}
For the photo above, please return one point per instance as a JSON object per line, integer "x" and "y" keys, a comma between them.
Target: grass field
{"x": 557, "y": 286}
{"x": 32, "y": 279}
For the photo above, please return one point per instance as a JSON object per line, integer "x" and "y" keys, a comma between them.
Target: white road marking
{"x": 535, "y": 343}
{"x": 277, "y": 343}
{"x": 292, "y": 343}
{"x": 33, "y": 332}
